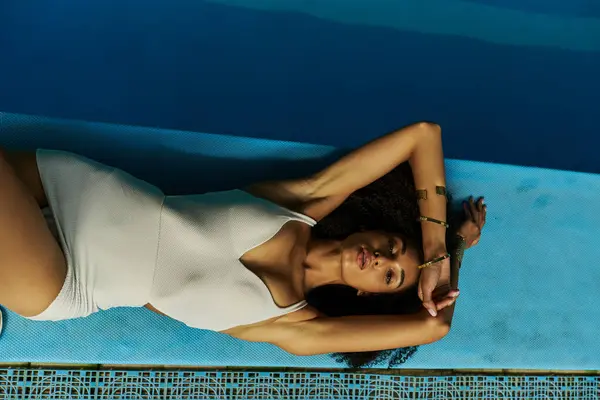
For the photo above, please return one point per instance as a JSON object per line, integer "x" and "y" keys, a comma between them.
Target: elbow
{"x": 430, "y": 128}
{"x": 444, "y": 329}
{"x": 427, "y": 134}
{"x": 439, "y": 328}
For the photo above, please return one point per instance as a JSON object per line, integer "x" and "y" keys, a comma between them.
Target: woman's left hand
{"x": 445, "y": 296}
{"x": 431, "y": 279}
{"x": 435, "y": 288}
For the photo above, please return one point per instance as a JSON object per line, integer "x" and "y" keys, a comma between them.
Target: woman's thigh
{"x": 32, "y": 265}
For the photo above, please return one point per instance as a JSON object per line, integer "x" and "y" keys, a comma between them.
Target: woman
{"x": 388, "y": 204}
{"x": 237, "y": 262}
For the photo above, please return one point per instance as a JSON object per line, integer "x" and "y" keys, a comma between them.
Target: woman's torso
{"x": 213, "y": 261}
{"x": 227, "y": 259}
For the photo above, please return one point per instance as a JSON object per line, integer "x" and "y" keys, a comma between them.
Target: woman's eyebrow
{"x": 401, "y": 278}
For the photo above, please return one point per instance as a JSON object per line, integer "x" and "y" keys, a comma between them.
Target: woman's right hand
{"x": 476, "y": 213}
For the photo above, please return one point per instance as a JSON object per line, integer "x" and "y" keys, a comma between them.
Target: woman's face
{"x": 379, "y": 262}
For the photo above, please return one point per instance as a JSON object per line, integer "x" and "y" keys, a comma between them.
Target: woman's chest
{"x": 279, "y": 263}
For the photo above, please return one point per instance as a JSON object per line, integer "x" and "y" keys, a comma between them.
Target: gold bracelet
{"x": 439, "y": 190}
{"x": 421, "y": 194}
{"x": 435, "y": 260}
{"x": 435, "y": 221}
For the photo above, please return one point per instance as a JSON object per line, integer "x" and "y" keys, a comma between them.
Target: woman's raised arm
{"x": 322, "y": 335}
{"x": 420, "y": 144}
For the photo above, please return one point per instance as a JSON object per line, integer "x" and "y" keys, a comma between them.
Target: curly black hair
{"x": 388, "y": 204}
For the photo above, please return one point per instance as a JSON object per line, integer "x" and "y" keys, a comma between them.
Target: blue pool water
{"x": 579, "y": 8}
{"x": 524, "y": 90}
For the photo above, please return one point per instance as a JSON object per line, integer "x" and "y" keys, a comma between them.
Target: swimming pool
{"x": 510, "y": 82}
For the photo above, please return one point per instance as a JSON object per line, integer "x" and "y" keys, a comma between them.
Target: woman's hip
{"x": 107, "y": 223}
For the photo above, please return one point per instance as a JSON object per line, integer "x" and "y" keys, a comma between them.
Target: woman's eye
{"x": 392, "y": 245}
{"x": 388, "y": 277}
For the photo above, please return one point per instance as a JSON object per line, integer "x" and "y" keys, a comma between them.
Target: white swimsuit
{"x": 128, "y": 245}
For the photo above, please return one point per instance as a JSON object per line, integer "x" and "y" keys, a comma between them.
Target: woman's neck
{"x": 322, "y": 265}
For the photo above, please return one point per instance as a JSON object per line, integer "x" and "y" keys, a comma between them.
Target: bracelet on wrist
{"x": 434, "y": 261}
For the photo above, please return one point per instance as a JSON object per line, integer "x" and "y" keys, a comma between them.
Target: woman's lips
{"x": 364, "y": 258}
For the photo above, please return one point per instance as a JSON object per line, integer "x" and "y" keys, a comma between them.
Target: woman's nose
{"x": 380, "y": 260}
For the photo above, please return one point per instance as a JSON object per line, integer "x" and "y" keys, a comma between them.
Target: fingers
{"x": 472, "y": 209}
{"x": 484, "y": 216}
{"x": 448, "y": 300}
{"x": 467, "y": 209}
{"x": 428, "y": 302}
{"x": 480, "y": 207}
{"x": 476, "y": 211}
{"x": 430, "y": 307}
{"x": 443, "y": 296}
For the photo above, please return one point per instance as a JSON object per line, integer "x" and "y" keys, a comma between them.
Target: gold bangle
{"x": 439, "y": 190}
{"x": 435, "y": 221}
{"x": 422, "y": 194}
{"x": 435, "y": 260}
